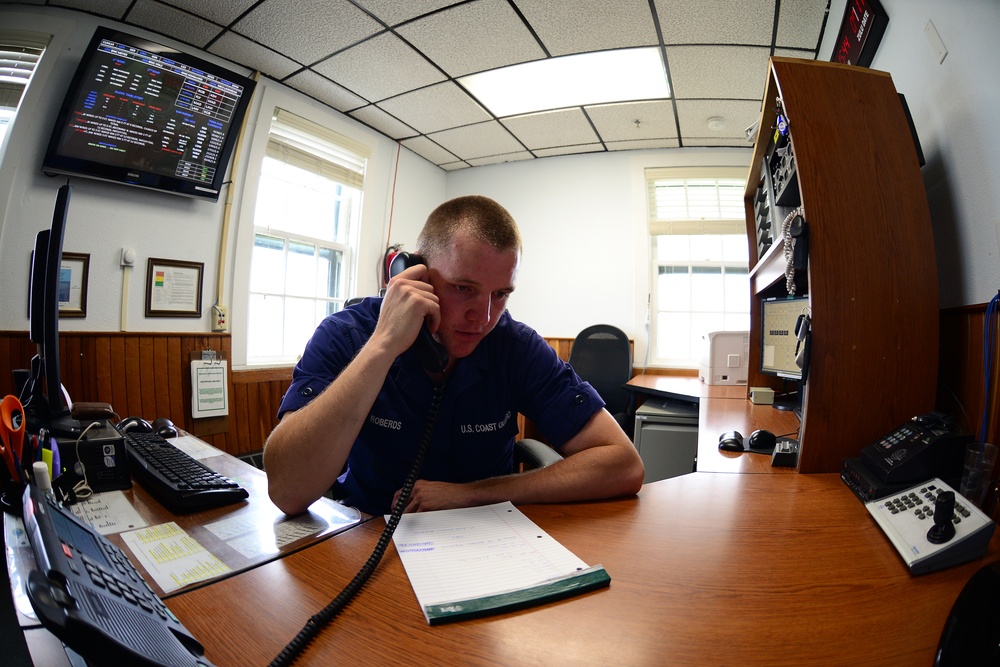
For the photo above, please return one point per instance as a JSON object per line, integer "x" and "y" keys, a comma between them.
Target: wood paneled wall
{"x": 148, "y": 374}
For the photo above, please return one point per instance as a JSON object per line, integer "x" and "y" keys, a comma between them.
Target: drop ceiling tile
{"x": 569, "y": 150}
{"x": 383, "y": 122}
{"x": 253, "y": 56}
{"x": 480, "y": 140}
{"x": 735, "y": 115}
{"x": 325, "y": 91}
{"x": 795, "y": 53}
{"x": 617, "y": 122}
{"x": 429, "y": 150}
{"x": 113, "y": 8}
{"x": 167, "y": 20}
{"x": 642, "y": 145}
{"x": 222, "y": 13}
{"x": 452, "y": 166}
{"x": 499, "y": 159}
{"x": 435, "y": 108}
{"x": 574, "y": 26}
{"x": 716, "y": 21}
{"x": 551, "y": 128}
{"x": 394, "y": 12}
{"x": 718, "y": 71}
{"x": 362, "y": 68}
{"x": 307, "y": 30}
{"x": 473, "y": 37}
{"x": 800, "y": 23}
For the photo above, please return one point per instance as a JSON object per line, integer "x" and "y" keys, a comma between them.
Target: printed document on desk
{"x": 476, "y": 561}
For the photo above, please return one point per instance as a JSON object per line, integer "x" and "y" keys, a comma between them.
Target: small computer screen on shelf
{"x": 778, "y": 340}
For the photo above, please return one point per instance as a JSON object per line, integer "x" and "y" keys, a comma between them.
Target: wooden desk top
{"x": 683, "y": 388}
{"x": 716, "y": 417}
{"x": 240, "y": 535}
{"x": 706, "y": 569}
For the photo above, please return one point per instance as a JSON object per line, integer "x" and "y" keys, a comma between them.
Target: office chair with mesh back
{"x": 602, "y": 356}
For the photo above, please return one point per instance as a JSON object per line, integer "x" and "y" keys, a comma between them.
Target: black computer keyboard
{"x": 87, "y": 592}
{"x": 180, "y": 482}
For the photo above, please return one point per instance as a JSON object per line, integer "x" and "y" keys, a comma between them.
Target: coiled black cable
{"x": 318, "y": 621}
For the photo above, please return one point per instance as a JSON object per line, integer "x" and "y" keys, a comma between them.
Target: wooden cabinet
{"x": 871, "y": 276}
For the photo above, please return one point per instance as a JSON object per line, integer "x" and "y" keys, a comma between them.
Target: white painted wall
{"x": 952, "y": 105}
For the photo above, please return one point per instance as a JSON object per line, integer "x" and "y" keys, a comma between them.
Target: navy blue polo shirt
{"x": 512, "y": 370}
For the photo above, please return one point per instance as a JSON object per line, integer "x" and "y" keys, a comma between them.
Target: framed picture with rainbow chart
{"x": 173, "y": 288}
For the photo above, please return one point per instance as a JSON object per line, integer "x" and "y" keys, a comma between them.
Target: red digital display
{"x": 860, "y": 32}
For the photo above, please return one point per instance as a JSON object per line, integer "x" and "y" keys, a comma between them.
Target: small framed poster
{"x": 173, "y": 288}
{"x": 74, "y": 274}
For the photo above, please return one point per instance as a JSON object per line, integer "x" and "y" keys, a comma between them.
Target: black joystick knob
{"x": 944, "y": 509}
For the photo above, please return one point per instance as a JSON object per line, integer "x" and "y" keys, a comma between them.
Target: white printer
{"x": 725, "y": 357}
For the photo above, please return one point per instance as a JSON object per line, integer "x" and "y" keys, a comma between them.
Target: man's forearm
{"x": 307, "y": 450}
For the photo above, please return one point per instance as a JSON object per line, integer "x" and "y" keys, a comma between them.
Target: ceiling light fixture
{"x": 601, "y": 77}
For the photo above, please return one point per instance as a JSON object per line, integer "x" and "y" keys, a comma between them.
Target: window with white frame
{"x": 305, "y": 227}
{"x": 19, "y": 55}
{"x": 700, "y": 281}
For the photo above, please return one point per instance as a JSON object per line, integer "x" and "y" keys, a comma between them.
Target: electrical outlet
{"x": 220, "y": 321}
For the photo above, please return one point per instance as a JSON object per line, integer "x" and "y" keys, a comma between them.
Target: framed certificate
{"x": 74, "y": 272}
{"x": 173, "y": 288}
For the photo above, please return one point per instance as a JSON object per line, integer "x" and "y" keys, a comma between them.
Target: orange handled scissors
{"x": 12, "y": 435}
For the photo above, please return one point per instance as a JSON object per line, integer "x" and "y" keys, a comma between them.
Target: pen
{"x": 54, "y": 446}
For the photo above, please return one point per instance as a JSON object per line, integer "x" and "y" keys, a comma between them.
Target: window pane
{"x": 673, "y": 335}
{"x": 673, "y": 248}
{"x": 737, "y": 287}
{"x": 707, "y": 292}
{"x": 735, "y": 248}
{"x": 328, "y": 275}
{"x": 706, "y": 248}
{"x": 300, "y": 276}
{"x": 268, "y": 265}
{"x": 673, "y": 289}
{"x": 264, "y": 325}
{"x": 737, "y": 322}
{"x": 299, "y": 324}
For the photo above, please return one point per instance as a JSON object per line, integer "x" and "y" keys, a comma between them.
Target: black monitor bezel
{"x": 764, "y": 304}
{"x": 56, "y": 162}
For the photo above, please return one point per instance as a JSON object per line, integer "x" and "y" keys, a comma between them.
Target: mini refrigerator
{"x": 666, "y": 436}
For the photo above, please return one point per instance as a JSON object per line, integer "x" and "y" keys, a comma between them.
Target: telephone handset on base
{"x": 431, "y": 353}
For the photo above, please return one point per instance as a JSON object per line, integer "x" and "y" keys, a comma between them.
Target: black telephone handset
{"x": 928, "y": 445}
{"x": 431, "y": 353}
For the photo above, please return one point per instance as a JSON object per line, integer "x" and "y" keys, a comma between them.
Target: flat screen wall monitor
{"x": 148, "y": 115}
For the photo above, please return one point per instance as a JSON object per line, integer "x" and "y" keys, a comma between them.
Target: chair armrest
{"x": 534, "y": 454}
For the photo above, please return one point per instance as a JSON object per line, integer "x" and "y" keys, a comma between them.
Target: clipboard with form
{"x": 476, "y": 561}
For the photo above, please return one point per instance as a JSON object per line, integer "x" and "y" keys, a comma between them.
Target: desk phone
{"x": 88, "y": 594}
{"x": 932, "y": 526}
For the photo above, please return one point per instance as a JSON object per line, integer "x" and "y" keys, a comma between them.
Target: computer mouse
{"x": 761, "y": 441}
{"x": 731, "y": 441}
{"x": 134, "y": 425}
{"x": 164, "y": 427}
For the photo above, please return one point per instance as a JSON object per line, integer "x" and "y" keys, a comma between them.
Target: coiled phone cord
{"x": 318, "y": 621}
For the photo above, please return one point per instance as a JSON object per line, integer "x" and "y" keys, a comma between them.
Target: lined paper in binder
{"x": 482, "y": 560}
